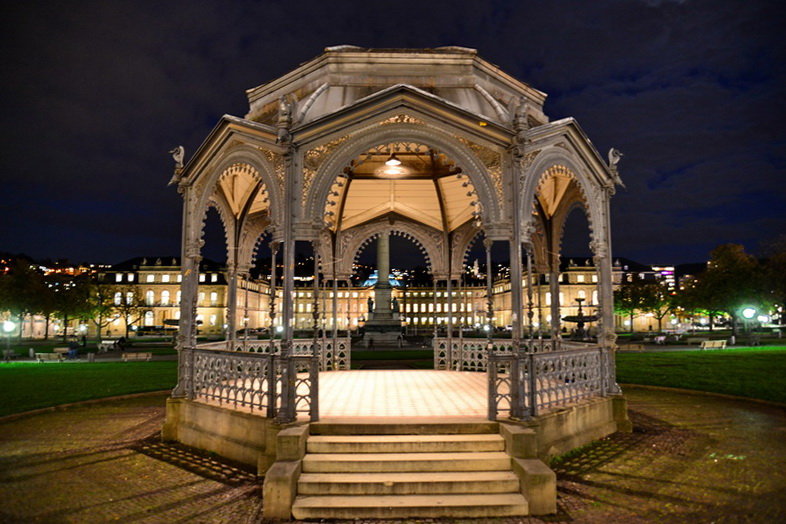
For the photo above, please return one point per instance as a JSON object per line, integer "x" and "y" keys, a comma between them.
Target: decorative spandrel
{"x": 491, "y": 160}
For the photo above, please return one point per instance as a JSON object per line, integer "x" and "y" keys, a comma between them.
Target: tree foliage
{"x": 733, "y": 280}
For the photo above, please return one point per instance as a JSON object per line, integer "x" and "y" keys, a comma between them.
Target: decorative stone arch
{"x": 204, "y": 185}
{"x": 538, "y": 171}
{"x": 372, "y": 136}
{"x": 430, "y": 241}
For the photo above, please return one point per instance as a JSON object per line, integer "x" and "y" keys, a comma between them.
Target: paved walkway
{"x": 691, "y": 458}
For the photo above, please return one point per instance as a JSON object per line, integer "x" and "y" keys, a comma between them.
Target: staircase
{"x": 407, "y": 470}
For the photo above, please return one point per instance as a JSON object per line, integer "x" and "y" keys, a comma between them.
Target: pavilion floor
{"x": 402, "y": 393}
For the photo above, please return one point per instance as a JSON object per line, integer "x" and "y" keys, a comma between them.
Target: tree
{"x": 655, "y": 299}
{"x": 628, "y": 299}
{"x": 130, "y": 305}
{"x": 72, "y": 299}
{"x": 21, "y": 291}
{"x": 101, "y": 305}
{"x": 733, "y": 279}
{"x": 775, "y": 273}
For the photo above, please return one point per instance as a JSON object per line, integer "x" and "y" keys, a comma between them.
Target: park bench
{"x": 695, "y": 340}
{"x": 57, "y": 355}
{"x": 107, "y": 345}
{"x": 713, "y": 344}
{"x": 139, "y": 355}
{"x": 8, "y": 354}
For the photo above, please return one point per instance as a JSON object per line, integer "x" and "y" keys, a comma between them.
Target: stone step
{"x": 405, "y": 506}
{"x": 402, "y": 462}
{"x": 407, "y": 483}
{"x": 401, "y": 426}
{"x": 404, "y": 443}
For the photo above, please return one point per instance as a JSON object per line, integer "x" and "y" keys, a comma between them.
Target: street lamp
{"x": 748, "y": 313}
{"x": 8, "y": 328}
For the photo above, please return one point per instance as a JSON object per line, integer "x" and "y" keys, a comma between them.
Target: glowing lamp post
{"x": 8, "y": 328}
{"x": 748, "y": 313}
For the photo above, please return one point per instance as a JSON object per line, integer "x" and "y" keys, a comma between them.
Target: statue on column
{"x": 395, "y": 305}
{"x": 370, "y": 302}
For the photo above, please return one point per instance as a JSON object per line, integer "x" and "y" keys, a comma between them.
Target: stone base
{"x": 243, "y": 437}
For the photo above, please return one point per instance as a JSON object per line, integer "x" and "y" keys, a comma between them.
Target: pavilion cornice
{"x": 568, "y": 130}
{"x": 229, "y": 128}
{"x": 410, "y": 100}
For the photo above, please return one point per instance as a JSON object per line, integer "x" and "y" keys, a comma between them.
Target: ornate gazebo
{"x": 437, "y": 145}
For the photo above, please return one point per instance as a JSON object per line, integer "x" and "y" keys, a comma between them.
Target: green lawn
{"x": 25, "y": 386}
{"x": 754, "y": 372}
{"x": 758, "y": 373}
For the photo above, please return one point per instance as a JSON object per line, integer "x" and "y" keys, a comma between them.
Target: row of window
{"x": 165, "y": 278}
{"x": 150, "y": 298}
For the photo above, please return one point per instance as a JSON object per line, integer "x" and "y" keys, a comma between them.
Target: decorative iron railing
{"x": 471, "y": 354}
{"x": 330, "y": 358}
{"x": 261, "y": 382}
{"x": 543, "y": 376}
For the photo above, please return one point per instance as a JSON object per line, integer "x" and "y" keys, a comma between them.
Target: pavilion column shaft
{"x": 555, "y": 305}
{"x": 382, "y": 290}
{"x": 189, "y": 269}
{"x": 516, "y": 301}
{"x": 231, "y": 308}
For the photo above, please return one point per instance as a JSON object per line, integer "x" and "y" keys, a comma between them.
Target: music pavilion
{"x": 444, "y": 148}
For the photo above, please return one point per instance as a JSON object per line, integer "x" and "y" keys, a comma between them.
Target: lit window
{"x": 148, "y": 318}
{"x": 595, "y": 297}
{"x": 214, "y": 277}
{"x": 213, "y": 298}
{"x": 165, "y": 298}
{"x": 594, "y": 278}
{"x": 548, "y": 298}
{"x": 201, "y": 277}
{"x": 201, "y": 298}
{"x": 177, "y": 297}
{"x": 414, "y": 308}
{"x": 130, "y": 277}
{"x": 582, "y": 294}
{"x": 129, "y": 297}
{"x": 118, "y": 277}
{"x": 118, "y": 298}
{"x": 579, "y": 278}
{"x": 151, "y": 278}
{"x": 561, "y": 298}
{"x": 213, "y": 319}
{"x": 150, "y": 297}
{"x": 165, "y": 278}
{"x": 179, "y": 277}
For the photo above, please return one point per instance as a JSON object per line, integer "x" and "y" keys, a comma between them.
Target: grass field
{"x": 25, "y": 386}
{"x": 755, "y": 372}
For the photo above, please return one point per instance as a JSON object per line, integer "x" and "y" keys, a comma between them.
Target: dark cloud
{"x": 95, "y": 94}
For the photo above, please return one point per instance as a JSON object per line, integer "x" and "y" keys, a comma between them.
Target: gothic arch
{"x": 376, "y": 134}
{"x": 430, "y": 241}
{"x": 560, "y": 159}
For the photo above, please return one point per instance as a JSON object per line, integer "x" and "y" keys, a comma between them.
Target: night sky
{"x": 95, "y": 94}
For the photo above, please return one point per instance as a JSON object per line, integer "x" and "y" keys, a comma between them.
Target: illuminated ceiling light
{"x": 393, "y": 161}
